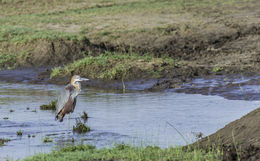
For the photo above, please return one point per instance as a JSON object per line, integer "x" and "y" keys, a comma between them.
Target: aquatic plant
{"x": 80, "y": 127}
{"x": 50, "y": 106}
{"x": 3, "y": 140}
{"x": 47, "y": 140}
{"x": 19, "y": 133}
{"x": 84, "y": 116}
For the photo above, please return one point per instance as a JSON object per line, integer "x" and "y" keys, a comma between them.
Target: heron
{"x": 68, "y": 97}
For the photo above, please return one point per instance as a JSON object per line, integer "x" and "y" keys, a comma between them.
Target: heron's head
{"x": 76, "y": 79}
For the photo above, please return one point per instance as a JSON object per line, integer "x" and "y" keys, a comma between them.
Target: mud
{"x": 239, "y": 139}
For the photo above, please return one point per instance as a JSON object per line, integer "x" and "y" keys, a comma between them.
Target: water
{"x": 137, "y": 118}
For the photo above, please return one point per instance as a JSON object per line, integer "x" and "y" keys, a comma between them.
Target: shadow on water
{"x": 133, "y": 117}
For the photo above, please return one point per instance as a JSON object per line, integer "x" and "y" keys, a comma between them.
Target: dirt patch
{"x": 240, "y": 139}
{"x": 58, "y": 52}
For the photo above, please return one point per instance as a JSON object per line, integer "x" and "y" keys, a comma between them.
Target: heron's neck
{"x": 77, "y": 86}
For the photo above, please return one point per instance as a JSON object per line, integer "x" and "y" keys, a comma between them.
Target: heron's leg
{"x": 68, "y": 122}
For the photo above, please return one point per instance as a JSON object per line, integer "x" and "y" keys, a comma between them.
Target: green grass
{"x": 23, "y": 35}
{"x": 7, "y": 61}
{"x": 217, "y": 69}
{"x": 126, "y": 152}
{"x": 115, "y": 66}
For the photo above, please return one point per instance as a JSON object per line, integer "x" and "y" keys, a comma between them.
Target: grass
{"x": 50, "y": 106}
{"x": 115, "y": 66}
{"x": 7, "y": 61}
{"x": 126, "y": 152}
{"x": 16, "y": 35}
{"x": 68, "y": 19}
{"x": 217, "y": 69}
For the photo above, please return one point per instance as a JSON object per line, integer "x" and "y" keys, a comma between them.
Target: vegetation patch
{"x": 84, "y": 116}
{"x": 80, "y": 127}
{"x": 126, "y": 152}
{"x": 50, "y": 106}
{"x": 19, "y": 133}
{"x": 7, "y": 61}
{"x": 217, "y": 69}
{"x": 23, "y": 35}
{"x": 3, "y": 141}
{"x": 47, "y": 140}
{"x": 116, "y": 66}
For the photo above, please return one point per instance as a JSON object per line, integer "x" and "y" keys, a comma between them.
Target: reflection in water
{"x": 135, "y": 118}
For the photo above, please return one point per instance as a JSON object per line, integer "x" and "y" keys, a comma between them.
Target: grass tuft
{"x": 3, "y": 141}
{"x": 50, "y": 106}
{"x": 19, "y": 133}
{"x": 7, "y": 61}
{"x": 47, "y": 140}
{"x": 115, "y": 66}
{"x": 80, "y": 127}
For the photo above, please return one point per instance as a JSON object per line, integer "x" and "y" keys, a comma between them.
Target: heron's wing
{"x": 63, "y": 98}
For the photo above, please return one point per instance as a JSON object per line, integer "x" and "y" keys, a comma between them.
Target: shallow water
{"x": 138, "y": 118}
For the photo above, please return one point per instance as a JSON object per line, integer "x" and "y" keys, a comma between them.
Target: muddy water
{"x": 135, "y": 117}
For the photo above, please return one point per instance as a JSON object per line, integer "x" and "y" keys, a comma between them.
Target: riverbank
{"x": 126, "y": 152}
{"x": 236, "y": 141}
{"x": 201, "y": 37}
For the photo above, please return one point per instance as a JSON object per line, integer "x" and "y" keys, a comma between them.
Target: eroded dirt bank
{"x": 240, "y": 139}
{"x": 229, "y": 50}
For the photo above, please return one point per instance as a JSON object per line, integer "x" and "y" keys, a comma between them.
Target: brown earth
{"x": 224, "y": 45}
{"x": 240, "y": 139}
{"x": 229, "y": 50}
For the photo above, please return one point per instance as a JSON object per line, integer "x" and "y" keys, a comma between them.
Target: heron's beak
{"x": 84, "y": 79}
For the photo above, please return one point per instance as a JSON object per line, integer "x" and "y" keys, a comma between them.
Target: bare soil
{"x": 240, "y": 139}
